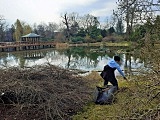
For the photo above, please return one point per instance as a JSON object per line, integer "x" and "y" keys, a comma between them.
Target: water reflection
{"x": 83, "y": 58}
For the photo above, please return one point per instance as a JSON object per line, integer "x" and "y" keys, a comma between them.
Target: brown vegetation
{"x": 61, "y": 45}
{"x": 113, "y": 39}
{"x": 43, "y": 93}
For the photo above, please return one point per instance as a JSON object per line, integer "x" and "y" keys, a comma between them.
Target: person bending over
{"x": 108, "y": 72}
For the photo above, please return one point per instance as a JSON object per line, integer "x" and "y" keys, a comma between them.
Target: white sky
{"x": 37, "y": 11}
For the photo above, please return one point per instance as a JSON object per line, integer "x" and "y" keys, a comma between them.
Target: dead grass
{"x": 133, "y": 101}
{"x": 61, "y": 45}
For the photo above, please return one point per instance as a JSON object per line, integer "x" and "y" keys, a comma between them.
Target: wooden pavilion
{"x": 31, "y": 38}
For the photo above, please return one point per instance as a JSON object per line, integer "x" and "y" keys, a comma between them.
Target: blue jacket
{"x": 113, "y": 64}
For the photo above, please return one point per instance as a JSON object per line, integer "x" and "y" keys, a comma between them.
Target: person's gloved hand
{"x": 125, "y": 78}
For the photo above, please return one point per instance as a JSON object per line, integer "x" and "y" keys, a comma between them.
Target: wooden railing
{"x": 20, "y": 44}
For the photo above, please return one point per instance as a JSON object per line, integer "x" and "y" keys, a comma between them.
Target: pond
{"x": 81, "y": 58}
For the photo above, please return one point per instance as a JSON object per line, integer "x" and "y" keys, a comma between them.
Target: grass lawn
{"x": 131, "y": 102}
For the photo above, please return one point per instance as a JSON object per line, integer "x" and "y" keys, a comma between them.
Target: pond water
{"x": 81, "y": 58}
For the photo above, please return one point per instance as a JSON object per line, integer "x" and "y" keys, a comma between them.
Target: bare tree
{"x": 88, "y": 20}
{"x": 3, "y": 26}
{"x": 135, "y": 11}
{"x": 50, "y": 29}
{"x": 70, "y": 20}
{"x": 41, "y": 28}
{"x": 105, "y": 24}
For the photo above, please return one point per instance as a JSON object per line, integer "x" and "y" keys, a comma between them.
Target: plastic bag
{"x": 105, "y": 95}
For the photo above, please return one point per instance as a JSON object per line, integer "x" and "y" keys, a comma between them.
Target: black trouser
{"x": 109, "y": 76}
{"x": 113, "y": 81}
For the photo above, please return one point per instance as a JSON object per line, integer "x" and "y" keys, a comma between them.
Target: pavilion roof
{"x": 31, "y": 35}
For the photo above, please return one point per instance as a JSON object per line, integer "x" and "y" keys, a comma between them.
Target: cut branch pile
{"x": 43, "y": 92}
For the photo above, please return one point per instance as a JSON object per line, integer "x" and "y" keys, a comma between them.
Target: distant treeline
{"x": 132, "y": 21}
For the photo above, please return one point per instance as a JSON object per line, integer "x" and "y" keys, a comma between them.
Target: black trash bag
{"x": 105, "y": 95}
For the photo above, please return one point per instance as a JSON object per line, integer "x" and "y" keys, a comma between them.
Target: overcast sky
{"x": 37, "y": 11}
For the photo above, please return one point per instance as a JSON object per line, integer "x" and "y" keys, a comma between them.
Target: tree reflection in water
{"x": 84, "y": 58}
